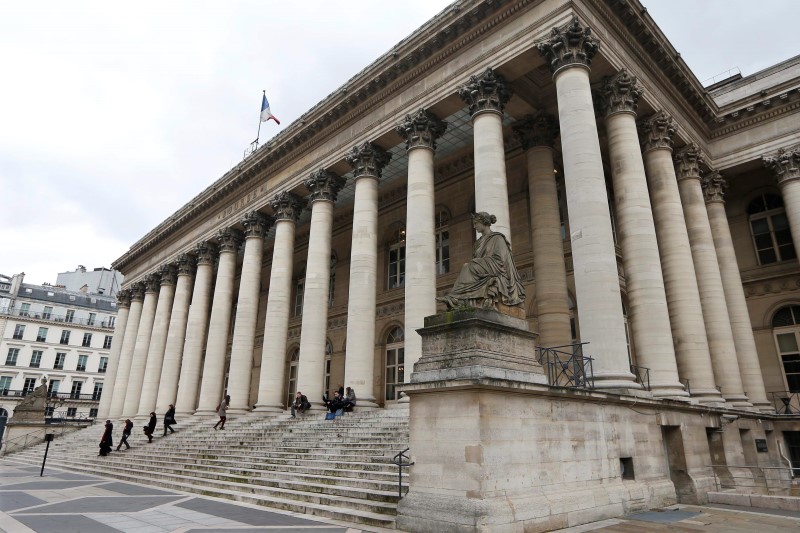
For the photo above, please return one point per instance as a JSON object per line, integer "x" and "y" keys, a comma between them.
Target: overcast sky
{"x": 114, "y": 115}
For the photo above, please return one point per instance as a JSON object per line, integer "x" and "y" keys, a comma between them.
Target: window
{"x": 442, "y": 242}
{"x": 562, "y": 209}
{"x": 70, "y": 316}
{"x": 112, "y": 321}
{"x": 65, "y": 336}
{"x": 72, "y": 412}
{"x": 42, "y": 335}
{"x": 103, "y": 366}
{"x": 107, "y": 342}
{"x": 25, "y": 309}
{"x": 36, "y": 359}
{"x": 93, "y": 412}
{"x": 395, "y": 362}
{"x": 75, "y": 393}
{"x": 28, "y": 386}
{"x": 299, "y": 290}
{"x": 786, "y": 328}
{"x": 19, "y": 331}
{"x": 97, "y": 392}
{"x": 52, "y": 387}
{"x": 328, "y": 352}
{"x": 332, "y": 280}
{"x": 5, "y": 385}
{"x": 92, "y": 318}
{"x": 87, "y": 340}
{"x": 49, "y": 410}
{"x": 11, "y": 358}
{"x": 769, "y": 227}
{"x": 47, "y": 313}
{"x": 397, "y": 260}
{"x": 82, "y": 363}
{"x": 60, "y": 358}
{"x": 294, "y": 359}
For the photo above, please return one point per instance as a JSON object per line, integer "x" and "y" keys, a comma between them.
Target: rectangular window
{"x": 72, "y": 412}
{"x": 30, "y": 384}
{"x": 87, "y": 340}
{"x": 11, "y": 358}
{"x": 92, "y": 318}
{"x": 41, "y": 336}
{"x": 60, "y": 358}
{"x": 75, "y": 393}
{"x": 65, "y": 336}
{"x": 103, "y": 365}
{"x": 70, "y": 316}
{"x": 300, "y": 289}
{"x": 98, "y": 391}
{"x": 19, "y": 331}
{"x": 397, "y": 267}
{"x": 82, "y": 363}
{"x": 49, "y": 410}
{"x": 93, "y": 412}
{"x": 5, "y": 385}
{"x": 47, "y": 314}
{"x": 107, "y": 342}
{"x": 36, "y": 359}
{"x": 52, "y": 387}
{"x": 25, "y": 310}
{"x": 442, "y": 252}
{"x": 112, "y": 321}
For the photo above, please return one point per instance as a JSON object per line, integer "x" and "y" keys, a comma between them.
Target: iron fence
{"x": 785, "y": 402}
{"x": 567, "y": 366}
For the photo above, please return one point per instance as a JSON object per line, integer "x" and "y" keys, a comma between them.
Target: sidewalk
{"x": 67, "y": 502}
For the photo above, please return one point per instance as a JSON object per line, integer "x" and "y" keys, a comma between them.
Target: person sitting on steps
{"x": 349, "y": 400}
{"x": 300, "y": 404}
{"x": 336, "y": 405}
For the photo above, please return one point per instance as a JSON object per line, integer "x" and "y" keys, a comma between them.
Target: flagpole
{"x": 258, "y": 135}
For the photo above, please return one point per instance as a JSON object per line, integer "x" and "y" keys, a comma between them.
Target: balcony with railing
{"x": 785, "y": 402}
{"x": 61, "y": 319}
{"x": 9, "y": 393}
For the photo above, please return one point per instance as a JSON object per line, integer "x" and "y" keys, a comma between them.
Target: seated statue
{"x": 490, "y": 278}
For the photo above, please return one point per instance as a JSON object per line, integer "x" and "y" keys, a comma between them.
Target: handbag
{"x": 330, "y": 416}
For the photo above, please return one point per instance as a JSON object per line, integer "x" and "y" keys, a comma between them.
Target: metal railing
{"x": 785, "y": 402}
{"x": 401, "y": 460}
{"x": 567, "y": 366}
{"x": 64, "y": 319}
{"x": 642, "y": 374}
{"x": 686, "y": 386}
{"x": 60, "y": 395}
{"x": 765, "y": 478}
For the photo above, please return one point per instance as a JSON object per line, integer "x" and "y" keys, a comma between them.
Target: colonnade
{"x": 688, "y": 313}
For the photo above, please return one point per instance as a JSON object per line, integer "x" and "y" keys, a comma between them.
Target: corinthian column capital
{"x": 656, "y": 131}
{"x": 486, "y": 92}
{"x": 421, "y": 130}
{"x": 185, "y": 264}
{"x": 687, "y": 162}
{"x": 785, "y": 163}
{"x": 714, "y": 187}
{"x": 569, "y": 45}
{"x": 540, "y": 129}
{"x": 256, "y": 224}
{"x": 620, "y": 93}
{"x": 287, "y": 206}
{"x": 367, "y": 160}
{"x": 206, "y": 253}
{"x": 324, "y": 185}
{"x": 124, "y": 298}
{"x": 137, "y": 292}
{"x": 168, "y": 274}
{"x": 152, "y": 282}
{"x": 229, "y": 240}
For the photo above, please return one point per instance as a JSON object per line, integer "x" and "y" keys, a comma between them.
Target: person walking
{"x": 126, "y": 432}
{"x": 107, "y": 440}
{"x": 169, "y": 419}
{"x": 151, "y": 427}
{"x": 222, "y": 411}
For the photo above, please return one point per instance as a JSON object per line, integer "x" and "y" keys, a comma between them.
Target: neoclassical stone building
{"x": 651, "y": 217}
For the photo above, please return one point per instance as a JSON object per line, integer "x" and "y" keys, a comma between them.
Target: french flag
{"x": 265, "y": 113}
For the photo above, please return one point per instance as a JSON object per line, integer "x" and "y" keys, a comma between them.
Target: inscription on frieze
{"x": 241, "y": 203}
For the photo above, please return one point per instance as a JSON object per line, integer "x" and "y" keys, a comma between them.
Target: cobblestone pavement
{"x": 69, "y": 502}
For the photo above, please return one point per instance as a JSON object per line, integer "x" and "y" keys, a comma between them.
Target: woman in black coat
{"x": 150, "y": 427}
{"x": 107, "y": 441}
{"x": 169, "y": 419}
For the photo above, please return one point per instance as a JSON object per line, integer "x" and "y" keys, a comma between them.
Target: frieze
{"x": 486, "y": 92}
{"x": 656, "y": 131}
{"x": 540, "y": 129}
{"x": 324, "y": 185}
{"x": 619, "y": 93}
{"x": 242, "y": 202}
{"x": 785, "y": 163}
{"x": 714, "y": 187}
{"x": 687, "y": 162}
{"x": 571, "y": 44}
{"x": 391, "y": 309}
{"x": 421, "y": 129}
{"x": 367, "y": 160}
{"x": 772, "y": 286}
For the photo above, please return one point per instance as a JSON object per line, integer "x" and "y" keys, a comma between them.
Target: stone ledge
{"x": 759, "y": 501}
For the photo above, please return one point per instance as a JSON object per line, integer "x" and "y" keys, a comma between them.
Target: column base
{"x": 737, "y": 401}
{"x": 670, "y": 391}
{"x": 616, "y": 380}
{"x": 764, "y": 407}
{"x": 205, "y": 412}
{"x": 238, "y": 411}
{"x": 366, "y": 404}
{"x": 269, "y": 409}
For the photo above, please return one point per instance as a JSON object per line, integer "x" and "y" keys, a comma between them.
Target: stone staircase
{"x": 339, "y": 469}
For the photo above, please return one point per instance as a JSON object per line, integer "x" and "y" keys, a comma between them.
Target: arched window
{"x": 397, "y": 259}
{"x": 770, "y": 229}
{"x": 442, "y": 242}
{"x": 328, "y": 353}
{"x": 786, "y": 329}
{"x": 395, "y": 362}
{"x": 294, "y": 358}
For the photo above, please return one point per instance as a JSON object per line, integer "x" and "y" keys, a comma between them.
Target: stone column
{"x": 680, "y": 281}
{"x": 367, "y": 161}
{"x": 537, "y": 134}
{"x": 569, "y": 52}
{"x": 143, "y": 337}
{"x": 256, "y": 226}
{"x": 158, "y": 343}
{"x": 636, "y": 233}
{"x": 126, "y": 351}
{"x": 123, "y": 306}
{"x": 486, "y": 95}
{"x": 709, "y": 280}
{"x": 286, "y": 208}
{"x": 324, "y": 187}
{"x": 714, "y": 186}
{"x": 176, "y": 333}
{"x": 196, "y": 329}
{"x": 420, "y": 132}
{"x": 219, "y": 325}
{"x": 785, "y": 163}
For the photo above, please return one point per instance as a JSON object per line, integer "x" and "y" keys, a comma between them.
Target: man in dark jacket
{"x": 150, "y": 427}
{"x": 126, "y": 432}
{"x": 301, "y": 403}
{"x": 169, "y": 420}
